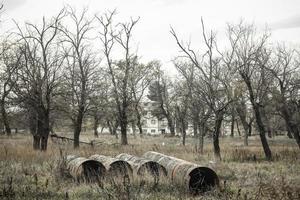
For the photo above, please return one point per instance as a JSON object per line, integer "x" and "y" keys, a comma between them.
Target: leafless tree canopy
{"x": 76, "y": 67}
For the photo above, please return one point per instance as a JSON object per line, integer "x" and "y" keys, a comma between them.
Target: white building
{"x": 151, "y": 124}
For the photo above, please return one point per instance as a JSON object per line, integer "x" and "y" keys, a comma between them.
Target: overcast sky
{"x": 152, "y": 35}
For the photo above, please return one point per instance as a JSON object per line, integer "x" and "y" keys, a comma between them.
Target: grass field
{"x": 243, "y": 172}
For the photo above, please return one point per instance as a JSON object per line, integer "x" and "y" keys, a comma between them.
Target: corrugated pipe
{"x": 119, "y": 171}
{"x": 193, "y": 177}
{"x": 83, "y": 169}
{"x": 145, "y": 168}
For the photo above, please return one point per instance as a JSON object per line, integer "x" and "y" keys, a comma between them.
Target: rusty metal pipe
{"x": 193, "y": 177}
{"x": 144, "y": 167}
{"x": 83, "y": 169}
{"x": 118, "y": 170}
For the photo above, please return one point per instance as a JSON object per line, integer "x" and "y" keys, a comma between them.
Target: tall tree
{"x": 112, "y": 35}
{"x": 81, "y": 72}
{"x": 38, "y": 74}
{"x": 214, "y": 77}
{"x": 285, "y": 69}
{"x": 140, "y": 78}
{"x": 251, "y": 56}
{"x": 9, "y": 62}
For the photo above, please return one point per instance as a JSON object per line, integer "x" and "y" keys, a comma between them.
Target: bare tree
{"x": 140, "y": 78}
{"x": 251, "y": 56}
{"x": 99, "y": 104}
{"x": 38, "y": 74}
{"x": 185, "y": 97}
{"x": 81, "y": 73}
{"x": 9, "y": 58}
{"x": 119, "y": 72}
{"x": 214, "y": 77}
{"x": 285, "y": 69}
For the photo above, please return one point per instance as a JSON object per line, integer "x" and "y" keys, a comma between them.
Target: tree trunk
{"x": 201, "y": 128}
{"x": 123, "y": 125}
{"x": 139, "y": 119}
{"x": 110, "y": 127}
{"x": 36, "y": 142}
{"x": 195, "y": 126}
{"x": 246, "y": 138}
{"x": 242, "y": 115}
{"x": 266, "y": 122}
{"x": 291, "y": 127}
{"x": 133, "y": 129}
{"x": 96, "y": 124}
{"x": 33, "y": 125}
{"x": 260, "y": 124}
{"x": 5, "y": 120}
{"x": 123, "y": 133}
{"x": 77, "y": 130}
{"x": 232, "y": 123}
{"x": 139, "y": 124}
{"x": 216, "y": 134}
{"x": 250, "y": 127}
{"x": 171, "y": 126}
{"x": 238, "y": 128}
{"x": 262, "y": 132}
{"x": 44, "y": 142}
{"x": 78, "y": 127}
{"x": 183, "y": 130}
{"x": 45, "y": 131}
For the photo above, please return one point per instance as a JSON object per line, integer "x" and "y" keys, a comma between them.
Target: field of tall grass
{"x": 243, "y": 172}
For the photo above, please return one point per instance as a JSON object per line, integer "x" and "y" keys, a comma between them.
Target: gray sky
{"x": 152, "y": 35}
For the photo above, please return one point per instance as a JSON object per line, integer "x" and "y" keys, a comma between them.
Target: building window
{"x": 153, "y": 130}
{"x": 144, "y": 130}
{"x": 144, "y": 122}
{"x": 153, "y": 121}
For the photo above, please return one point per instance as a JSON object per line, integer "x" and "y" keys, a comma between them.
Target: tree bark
{"x": 96, "y": 124}
{"x": 45, "y": 131}
{"x": 5, "y": 119}
{"x": 195, "y": 126}
{"x": 171, "y": 126}
{"x": 266, "y": 122}
{"x": 139, "y": 123}
{"x": 78, "y": 127}
{"x": 232, "y": 122}
{"x": 133, "y": 127}
{"x": 123, "y": 125}
{"x": 238, "y": 127}
{"x": 291, "y": 127}
{"x": 218, "y": 122}
{"x": 124, "y": 140}
{"x": 201, "y": 128}
{"x": 44, "y": 142}
{"x": 183, "y": 130}
{"x": 36, "y": 142}
{"x": 240, "y": 108}
{"x": 258, "y": 117}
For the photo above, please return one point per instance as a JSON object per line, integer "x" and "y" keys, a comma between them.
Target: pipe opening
{"x": 151, "y": 172}
{"x": 120, "y": 172}
{"x": 93, "y": 171}
{"x": 120, "y": 168}
{"x": 202, "y": 179}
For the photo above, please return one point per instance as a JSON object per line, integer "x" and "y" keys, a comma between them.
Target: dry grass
{"x": 28, "y": 174}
